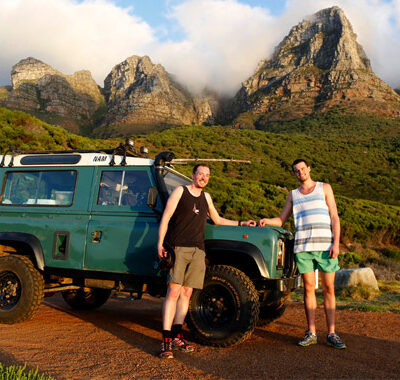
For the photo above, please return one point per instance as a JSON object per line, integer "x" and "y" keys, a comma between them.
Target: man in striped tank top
{"x": 316, "y": 245}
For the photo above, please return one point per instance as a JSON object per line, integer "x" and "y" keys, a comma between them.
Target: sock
{"x": 166, "y": 335}
{"x": 176, "y": 330}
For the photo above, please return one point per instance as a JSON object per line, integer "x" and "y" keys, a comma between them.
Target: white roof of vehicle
{"x": 86, "y": 159}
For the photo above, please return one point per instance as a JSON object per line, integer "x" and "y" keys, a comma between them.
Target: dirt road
{"x": 120, "y": 340}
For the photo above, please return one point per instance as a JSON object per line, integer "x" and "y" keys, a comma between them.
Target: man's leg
{"x": 310, "y": 301}
{"x": 328, "y": 286}
{"x": 182, "y": 305}
{"x": 168, "y": 315}
{"x": 169, "y": 309}
{"x": 181, "y": 311}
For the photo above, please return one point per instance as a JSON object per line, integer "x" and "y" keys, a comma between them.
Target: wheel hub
{"x": 217, "y": 306}
{"x": 10, "y": 290}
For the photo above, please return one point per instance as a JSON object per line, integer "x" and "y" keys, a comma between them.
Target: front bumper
{"x": 285, "y": 285}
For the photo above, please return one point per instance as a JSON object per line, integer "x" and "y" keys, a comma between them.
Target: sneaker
{"x": 166, "y": 349}
{"x": 180, "y": 343}
{"x": 308, "y": 339}
{"x": 334, "y": 341}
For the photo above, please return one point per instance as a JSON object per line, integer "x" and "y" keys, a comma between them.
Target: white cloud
{"x": 70, "y": 36}
{"x": 223, "y": 40}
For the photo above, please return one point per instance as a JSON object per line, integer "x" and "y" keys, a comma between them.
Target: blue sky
{"x": 155, "y": 13}
{"x": 205, "y": 43}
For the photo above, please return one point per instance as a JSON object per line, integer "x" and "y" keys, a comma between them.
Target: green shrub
{"x": 15, "y": 372}
{"x": 391, "y": 253}
{"x": 358, "y": 292}
{"x": 350, "y": 260}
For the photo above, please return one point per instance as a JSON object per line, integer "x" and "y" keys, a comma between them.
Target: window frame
{"x": 25, "y": 171}
{"x": 121, "y": 207}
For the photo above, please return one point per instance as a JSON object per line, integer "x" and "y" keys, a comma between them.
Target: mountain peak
{"x": 325, "y": 40}
{"x": 319, "y": 64}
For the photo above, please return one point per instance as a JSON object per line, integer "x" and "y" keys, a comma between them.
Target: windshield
{"x": 173, "y": 179}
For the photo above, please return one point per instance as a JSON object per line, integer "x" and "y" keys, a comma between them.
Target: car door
{"x": 45, "y": 204}
{"x": 123, "y": 230}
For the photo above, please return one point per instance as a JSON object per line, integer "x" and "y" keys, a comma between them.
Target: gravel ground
{"x": 121, "y": 341}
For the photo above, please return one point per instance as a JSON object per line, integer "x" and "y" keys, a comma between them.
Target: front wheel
{"x": 86, "y": 298}
{"x": 272, "y": 311}
{"x": 21, "y": 289}
{"x": 225, "y": 311}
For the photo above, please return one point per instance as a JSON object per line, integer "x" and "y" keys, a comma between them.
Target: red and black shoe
{"x": 166, "y": 349}
{"x": 180, "y": 343}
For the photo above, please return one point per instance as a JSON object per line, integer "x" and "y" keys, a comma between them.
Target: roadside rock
{"x": 353, "y": 277}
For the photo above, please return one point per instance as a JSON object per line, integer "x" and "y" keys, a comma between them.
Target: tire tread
{"x": 252, "y": 296}
{"x": 37, "y": 285}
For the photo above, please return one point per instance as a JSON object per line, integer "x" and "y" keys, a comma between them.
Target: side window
{"x": 172, "y": 180}
{"x": 124, "y": 188}
{"x": 51, "y": 188}
{"x": 110, "y": 188}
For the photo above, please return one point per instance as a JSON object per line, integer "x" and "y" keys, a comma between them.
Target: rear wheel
{"x": 21, "y": 289}
{"x": 86, "y": 298}
{"x": 225, "y": 311}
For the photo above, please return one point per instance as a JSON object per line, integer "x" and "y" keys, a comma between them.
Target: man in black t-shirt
{"x": 183, "y": 225}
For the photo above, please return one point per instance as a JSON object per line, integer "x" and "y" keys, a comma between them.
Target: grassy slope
{"x": 364, "y": 174}
{"x": 23, "y": 131}
{"x": 362, "y": 168}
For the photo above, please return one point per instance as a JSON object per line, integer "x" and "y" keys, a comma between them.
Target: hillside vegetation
{"x": 362, "y": 168}
{"x": 364, "y": 175}
{"x": 23, "y": 131}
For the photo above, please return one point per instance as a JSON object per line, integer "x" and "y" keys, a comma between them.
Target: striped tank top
{"x": 312, "y": 220}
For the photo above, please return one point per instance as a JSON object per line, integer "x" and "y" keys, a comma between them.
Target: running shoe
{"x": 180, "y": 343}
{"x": 308, "y": 339}
{"x": 166, "y": 349}
{"x": 334, "y": 341}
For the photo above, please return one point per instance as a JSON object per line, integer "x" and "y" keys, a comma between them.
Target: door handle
{"x": 96, "y": 236}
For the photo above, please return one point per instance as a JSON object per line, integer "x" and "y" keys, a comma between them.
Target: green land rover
{"x": 85, "y": 223}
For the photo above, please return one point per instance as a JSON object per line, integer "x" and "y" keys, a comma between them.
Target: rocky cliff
{"x": 319, "y": 64}
{"x": 141, "y": 96}
{"x": 67, "y": 100}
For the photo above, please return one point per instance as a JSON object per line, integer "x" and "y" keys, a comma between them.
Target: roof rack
{"x": 184, "y": 161}
{"x": 121, "y": 150}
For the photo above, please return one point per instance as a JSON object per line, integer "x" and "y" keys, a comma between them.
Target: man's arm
{"x": 212, "y": 212}
{"x": 282, "y": 218}
{"x": 170, "y": 208}
{"x": 335, "y": 222}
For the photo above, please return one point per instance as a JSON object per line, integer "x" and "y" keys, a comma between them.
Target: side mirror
{"x": 152, "y": 197}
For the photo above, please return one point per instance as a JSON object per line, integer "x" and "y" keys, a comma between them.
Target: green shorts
{"x": 189, "y": 267}
{"x": 310, "y": 261}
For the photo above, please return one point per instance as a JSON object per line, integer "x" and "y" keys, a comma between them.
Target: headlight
{"x": 280, "y": 262}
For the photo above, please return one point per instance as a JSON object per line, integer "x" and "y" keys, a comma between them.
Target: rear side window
{"x": 39, "y": 188}
{"x": 124, "y": 188}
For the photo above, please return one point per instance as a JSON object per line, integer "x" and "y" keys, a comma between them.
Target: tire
{"x": 272, "y": 311}
{"x": 21, "y": 289}
{"x": 86, "y": 298}
{"x": 225, "y": 311}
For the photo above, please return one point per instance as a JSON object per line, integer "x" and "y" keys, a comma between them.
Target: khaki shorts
{"x": 189, "y": 268}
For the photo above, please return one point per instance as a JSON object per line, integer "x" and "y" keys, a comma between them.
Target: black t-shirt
{"x": 187, "y": 225}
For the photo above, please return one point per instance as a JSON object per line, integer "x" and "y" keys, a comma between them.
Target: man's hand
{"x": 161, "y": 252}
{"x": 263, "y": 222}
{"x": 334, "y": 251}
{"x": 249, "y": 223}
